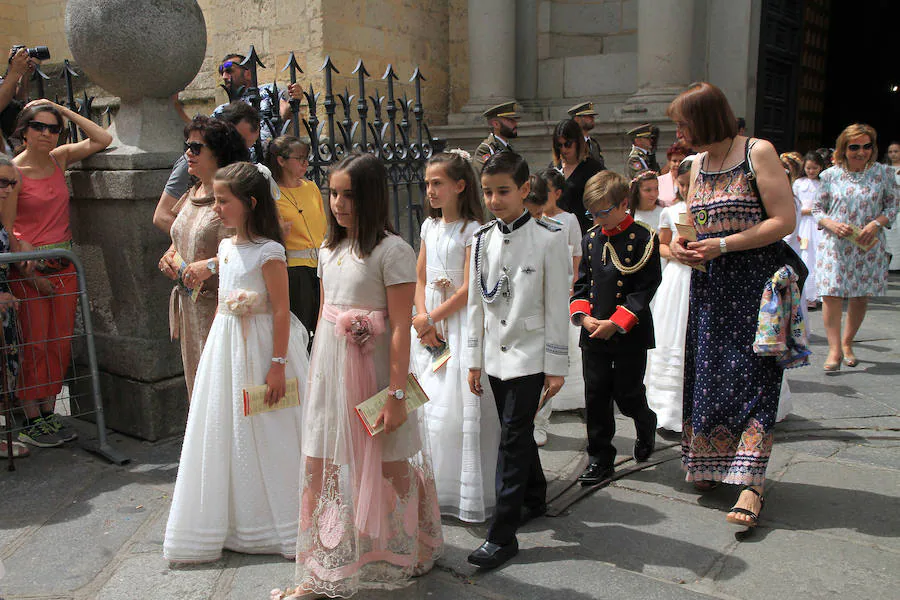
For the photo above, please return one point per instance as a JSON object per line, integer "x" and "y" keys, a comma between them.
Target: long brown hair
{"x": 634, "y": 192}
{"x": 27, "y": 115}
{"x": 368, "y": 180}
{"x": 283, "y": 147}
{"x": 570, "y": 131}
{"x": 247, "y": 183}
{"x": 458, "y": 168}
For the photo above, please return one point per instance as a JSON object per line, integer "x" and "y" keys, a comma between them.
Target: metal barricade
{"x": 38, "y": 371}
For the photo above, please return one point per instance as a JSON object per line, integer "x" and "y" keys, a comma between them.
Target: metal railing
{"x": 35, "y": 354}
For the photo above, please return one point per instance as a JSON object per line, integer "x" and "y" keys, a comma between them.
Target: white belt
{"x": 307, "y": 253}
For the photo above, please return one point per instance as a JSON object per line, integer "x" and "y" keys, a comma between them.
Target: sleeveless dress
{"x": 665, "y": 363}
{"x": 368, "y": 511}
{"x": 807, "y": 191}
{"x": 239, "y": 477}
{"x": 463, "y": 429}
{"x": 730, "y": 393}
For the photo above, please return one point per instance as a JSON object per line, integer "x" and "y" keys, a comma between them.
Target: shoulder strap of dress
{"x": 747, "y": 166}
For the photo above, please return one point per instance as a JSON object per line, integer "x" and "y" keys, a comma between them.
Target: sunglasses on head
{"x": 5, "y": 183}
{"x": 227, "y": 65}
{"x": 195, "y": 147}
{"x": 858, "y": 147}
{"x": 600, "y": 213}
{"x": 40, "y": 127}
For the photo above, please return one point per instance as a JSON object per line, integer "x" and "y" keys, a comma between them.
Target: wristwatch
{"x": 398, "y": 394}
{"x": 429, "y": 319}
{"x": 281, "y": 360}
{"x": 212, "y": 265}
{"x": 723, "y": 247}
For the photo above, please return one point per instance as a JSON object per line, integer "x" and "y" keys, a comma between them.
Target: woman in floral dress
{"x": 858, "y": 198}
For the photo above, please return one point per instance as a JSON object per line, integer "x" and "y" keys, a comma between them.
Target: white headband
{"x": 273, "y": 187}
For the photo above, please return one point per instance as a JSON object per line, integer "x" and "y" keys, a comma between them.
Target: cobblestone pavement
{"x": 74, "y": 527}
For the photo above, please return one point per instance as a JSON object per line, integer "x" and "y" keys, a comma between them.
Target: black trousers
{"x": 614, "y": 377}
{"x": 303, "y": 288}
{"x": 520, "y": 478}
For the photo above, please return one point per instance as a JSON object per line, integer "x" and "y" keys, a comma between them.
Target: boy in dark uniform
{"x": 618, "y": 275}
{"x": 584, "y": 114}
{"x": 642, "y": 156}
{"x": 504, "y": 123}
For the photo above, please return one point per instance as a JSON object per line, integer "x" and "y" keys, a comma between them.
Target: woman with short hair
{"x": 571, "y": 158}
{"x": 857, "y": 200}
{"x": 191, "y": 261}
{"x": 741, "y": 206}
{"x": 668, "y": 192}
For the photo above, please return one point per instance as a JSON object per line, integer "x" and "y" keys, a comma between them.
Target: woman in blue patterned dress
{"x": 857, "y": 195}
{"x": 730, "y": 393}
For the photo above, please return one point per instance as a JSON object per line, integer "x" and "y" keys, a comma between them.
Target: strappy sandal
{"x": 754, "y": 516}
{"x": 835, "y": 366}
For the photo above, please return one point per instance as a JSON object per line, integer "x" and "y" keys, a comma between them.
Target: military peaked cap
{"x": 585, "y": 109}
{"x": 507, "y": 110}
{"x": 645, "y": 130}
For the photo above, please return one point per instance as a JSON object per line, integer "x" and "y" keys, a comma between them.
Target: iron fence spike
{"x": 389, "y": 73}
{"x": 417, "y": 75}
{"x": 292, "y": 61}
{"x": 328, "y": 65}
{"x": 361, "y": 68}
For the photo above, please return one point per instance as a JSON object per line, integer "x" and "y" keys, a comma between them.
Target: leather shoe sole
{"x": 594, "y": 474}
{"x": 490, "y": 555}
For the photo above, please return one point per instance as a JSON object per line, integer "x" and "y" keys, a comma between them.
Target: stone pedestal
{"x": 143, "y": 52}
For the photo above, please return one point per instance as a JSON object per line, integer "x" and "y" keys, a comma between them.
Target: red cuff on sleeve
{"x": 624, "y": 318}
{"x": 579, "y": 306}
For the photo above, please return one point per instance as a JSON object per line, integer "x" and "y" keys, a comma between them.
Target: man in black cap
{"x": 584, "y": 114}
{"x": 641, "y": 156}
{"x": 504, "y": 123}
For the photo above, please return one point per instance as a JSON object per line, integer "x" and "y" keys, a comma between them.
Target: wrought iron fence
{"x": 391, "y": 126}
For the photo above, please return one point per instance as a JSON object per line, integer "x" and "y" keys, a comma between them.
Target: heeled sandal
{"x": 850, "y": 359}
{"x": 754, "y": 516}
{"x": 833, "y": 367}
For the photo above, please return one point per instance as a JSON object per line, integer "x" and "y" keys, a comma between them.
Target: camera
{"x": 38, "y": 52}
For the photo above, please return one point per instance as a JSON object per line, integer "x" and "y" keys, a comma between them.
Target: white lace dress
{"x": 808, "y": 234}
{"x": 665, "y": 363}
{"x": 463, "y": 429}
{"x": 239, "y": 477}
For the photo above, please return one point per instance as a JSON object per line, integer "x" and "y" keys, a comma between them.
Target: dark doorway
{"x": 863, "y": 69}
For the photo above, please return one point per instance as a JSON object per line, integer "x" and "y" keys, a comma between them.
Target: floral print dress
{"x": 844, "y": 269}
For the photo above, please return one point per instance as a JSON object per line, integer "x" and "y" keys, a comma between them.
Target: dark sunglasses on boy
{"x": 858, "y": 147}
{"x": 195, "y": 147}
{"x": 5, "y": 183}
{"x": 40, "y": 127}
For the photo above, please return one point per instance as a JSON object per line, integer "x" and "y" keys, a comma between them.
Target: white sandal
{"x": 20, "y": 450}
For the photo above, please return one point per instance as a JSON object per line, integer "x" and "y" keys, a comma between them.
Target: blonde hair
{"x": 843, "y": 140}
{"x": 793, "y": 164}
{"x": 605, "y": 187}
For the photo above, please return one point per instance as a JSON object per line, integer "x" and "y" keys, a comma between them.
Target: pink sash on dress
{"x": 361, "y": 327}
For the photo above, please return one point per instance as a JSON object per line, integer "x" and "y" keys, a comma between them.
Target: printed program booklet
{"x": 255, "y": 398}
{"x": 368, "y": 410}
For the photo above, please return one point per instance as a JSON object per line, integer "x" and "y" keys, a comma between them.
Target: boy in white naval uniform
{"x": 517, "y": 305}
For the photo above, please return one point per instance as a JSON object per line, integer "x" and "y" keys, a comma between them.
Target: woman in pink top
{"x": 39, "y": 219}
{"x": 667, "y": 190}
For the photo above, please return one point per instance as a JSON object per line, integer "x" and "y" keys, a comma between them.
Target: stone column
{"x": 526, "y": 52}
{"x": 492, "y": 55}
{"x": 665, "y": 29}
{"x": 142, "y": 52}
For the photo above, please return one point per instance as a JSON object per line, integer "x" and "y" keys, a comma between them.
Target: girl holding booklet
{"x": 368, "y": 508}
{"x": 239, "y": 476}
{"x": 464, "y": 430}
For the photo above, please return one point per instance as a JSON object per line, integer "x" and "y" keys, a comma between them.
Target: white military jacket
{"x": 518, "y": 300}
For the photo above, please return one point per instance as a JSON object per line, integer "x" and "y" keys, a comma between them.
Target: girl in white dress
{"x": 892, "y": 233}
{"x": 368, "y": 509}
{"x": 643, "y": 201}
{"x": 463, "y": 429}
{"x": 547, "y": 187}
{"x": 238, "y": 477}
{"x": 665, "y": 363}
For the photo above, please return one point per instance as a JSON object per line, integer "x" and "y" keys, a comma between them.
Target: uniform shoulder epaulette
{"x": 551, "y": 220}
{"x": 593, "y": 228}
{"x": 485, "y": 227}
{"x": 647, "y": 227}
{"x": 547, "y": 225}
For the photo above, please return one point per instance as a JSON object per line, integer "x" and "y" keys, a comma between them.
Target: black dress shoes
{"x": 532, "y": 513}
{"x": 595, "y": 473}
{"x": 643, "y": 450}
{"x": 490, "y": 555}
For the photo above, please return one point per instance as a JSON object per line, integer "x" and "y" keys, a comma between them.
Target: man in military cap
{"x": 504, "y": 123}
{"x": 584, "y": 114}
{"x": 642, "y": 155}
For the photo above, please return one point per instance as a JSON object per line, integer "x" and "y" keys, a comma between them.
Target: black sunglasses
{"x": 195, "y": 147}
{"x": 42, "y": 127}
{"x": 5, "y": 183}
{"x": 857, "y": 147}
{"x": 566, "y": 144}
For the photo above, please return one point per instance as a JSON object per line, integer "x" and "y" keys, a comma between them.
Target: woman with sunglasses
{"x": 571, "y": 158}
{"x": 38, "y": 216}
{"x": 196, "y": 232}
{"x": 857, "y": 200}
{"x": 302, "y": 215}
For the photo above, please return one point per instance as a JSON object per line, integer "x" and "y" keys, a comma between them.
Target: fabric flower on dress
{"x": 360, "y": 327}
{"x": 241, "y": 302}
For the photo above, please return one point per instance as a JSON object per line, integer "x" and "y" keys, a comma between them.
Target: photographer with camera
{"x": 14, "y": 89}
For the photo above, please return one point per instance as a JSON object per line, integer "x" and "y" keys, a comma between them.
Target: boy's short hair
{"x": 606, "y": 187}
{"x": 507, "y": 162}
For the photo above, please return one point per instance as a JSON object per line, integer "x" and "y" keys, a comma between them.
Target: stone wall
{"x": 33, "y": 22}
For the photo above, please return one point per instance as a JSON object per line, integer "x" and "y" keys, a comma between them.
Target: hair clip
{"x": 273, "y": 187}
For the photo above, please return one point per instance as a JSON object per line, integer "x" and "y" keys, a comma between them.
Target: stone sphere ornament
{"x": 142, "y": 51}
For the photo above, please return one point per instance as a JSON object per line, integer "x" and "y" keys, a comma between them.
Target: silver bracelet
{"x": 280, "y": 360}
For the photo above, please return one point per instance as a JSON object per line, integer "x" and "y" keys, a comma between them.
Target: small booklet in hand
{"x": 688, "y": 232}
{"x": 368, "y": 410}
{"x": 854, "y": 237}
{"x": 439, "y": 356}
{"x": 182, "y": 265}
{"x": 255, "y": 398}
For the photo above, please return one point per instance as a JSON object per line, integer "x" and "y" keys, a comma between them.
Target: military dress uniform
{"x": 517, "y": 333}
{"x": 639, "y": 159}
{"x": 586, "y": 109}
{"x": 493, "y": 144}
{"x": 617, "y": 277}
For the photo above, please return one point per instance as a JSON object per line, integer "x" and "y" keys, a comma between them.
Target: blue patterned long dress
{"x": 9, "y": 352}
{"x": 730, "y": 393}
